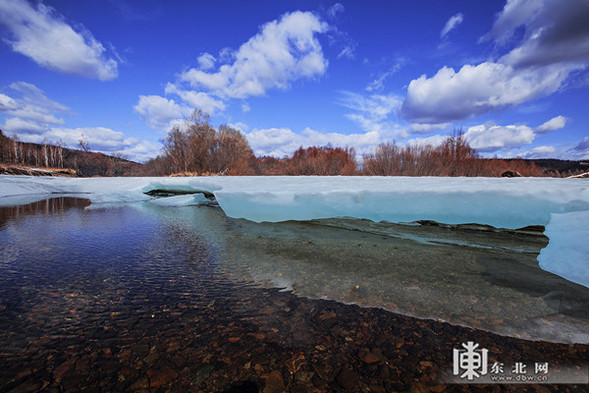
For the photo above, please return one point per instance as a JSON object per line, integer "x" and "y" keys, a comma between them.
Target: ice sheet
{"x": 567, "y": 253}
{"x": 560, "y": 204}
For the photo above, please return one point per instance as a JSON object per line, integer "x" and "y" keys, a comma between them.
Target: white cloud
{"x": 240, "y": 126}
{"x": 141, "y": 151}
{"x": 31, "y": 94}
{"x": 17, "y": 125}
{"x": 196, "y": 99}
{"x": 99, "y": 138}
{"x": 32, "y": 116}
{"x": 421, "y": 128}
{"x": 578, "y": 151}
{"x": 451, "y": 24}
{"x": 283, "y": 51}
{"x": 206, "y": 61}
{"x": 474, "y": 90}
{"x": 372, "y": 112}
{"x": 7, "y": 103}
{"x": 348, "y": 51}
{"x": 434, "y": 140}
{"x": 541, "y": 152}
{"x": 29, "y": 104}
{"x": 548, "y": 42}
{"x": 335, "y": 9}
{"x": 158, "y": 111}
{"x": 490, "y": 137}
{"x": 556, "y": 123}
{"x": 41, "y": 34}
{"x": 276, "y": 142}
{"x": 281, "y": 142}
{"x": 378, "y": 83}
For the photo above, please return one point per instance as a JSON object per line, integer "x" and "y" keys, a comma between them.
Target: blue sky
{"x": 512, "y": 74}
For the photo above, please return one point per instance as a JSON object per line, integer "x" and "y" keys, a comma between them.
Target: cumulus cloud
{"x": 556, "y": 123}
{"x": 196, "y": 99}
{"x": 434, "y": 140}
{"x": 553, "y": 46}
{"x": 490, "y": 137}
{"x": 451, "y": 24}
{"x": 281, "y": 142}
{"x": 474, "y": 90}
{"x": 42, "y": 35}
{"x": 283, "y": 51}
{"x": 158, "y": 111}
{"x": 206, "y": 61}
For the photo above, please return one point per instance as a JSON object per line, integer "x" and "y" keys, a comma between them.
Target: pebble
{"x": 367, "y": 356}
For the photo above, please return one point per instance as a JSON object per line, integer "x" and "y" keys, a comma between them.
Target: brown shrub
{"x": 322, "y": 161}
{"x": 454, "y": 157}
{"x": 199, "y": 148}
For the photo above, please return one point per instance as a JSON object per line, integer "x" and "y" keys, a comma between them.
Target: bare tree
{"x": 84, "y": 144}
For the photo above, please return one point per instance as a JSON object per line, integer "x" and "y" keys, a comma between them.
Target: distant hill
{"x": 16, "y": 154}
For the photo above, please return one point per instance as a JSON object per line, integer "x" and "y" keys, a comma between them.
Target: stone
{"x": 274, "y": 383}
{"x": 161, "y": 377}
{"x": 347, "y": 378}
{"x": 510, "y": 173}
{"x": 367, "y": 356}
{"x": 304, "y": 376}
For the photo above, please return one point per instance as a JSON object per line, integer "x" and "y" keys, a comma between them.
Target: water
{"x": 157, "y": 298}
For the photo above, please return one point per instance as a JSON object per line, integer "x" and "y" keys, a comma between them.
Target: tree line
{"x": 46, "y": 155}
{"x": 196, "y": 148}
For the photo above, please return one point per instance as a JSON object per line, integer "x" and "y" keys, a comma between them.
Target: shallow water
{"x": 77, "y": 283}
{"x": 467, "y": 275}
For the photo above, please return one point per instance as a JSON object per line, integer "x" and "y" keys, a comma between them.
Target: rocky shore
{"x": 287, "y": 344}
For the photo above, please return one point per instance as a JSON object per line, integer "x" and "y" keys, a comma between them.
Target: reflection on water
{"x": 140, "y": 292}
{"x": 53, "y": 205}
